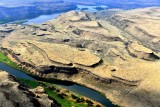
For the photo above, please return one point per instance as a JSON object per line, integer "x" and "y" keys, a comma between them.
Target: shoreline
{"x": 54, "y": 80}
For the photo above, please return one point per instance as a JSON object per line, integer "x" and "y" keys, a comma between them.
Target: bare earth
{"x": 12, "y": 94}
{"x": 114, "y": 52}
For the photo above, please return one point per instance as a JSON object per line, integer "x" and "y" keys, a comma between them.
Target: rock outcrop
{"x": 107, "y": 54}
{"x": 141, "y": 24}
{"x": 14, "y": 95}
{"x": 141, "y": 52}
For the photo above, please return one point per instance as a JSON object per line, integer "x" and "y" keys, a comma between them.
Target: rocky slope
{"x": 14, "y": 95}
{"x": 114, "y": 52}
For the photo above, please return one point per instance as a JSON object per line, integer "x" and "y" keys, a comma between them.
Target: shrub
{"x": 74, "y": 96}
{"x": 90, "y": 103}
{"x": 51, "y": 88}
{"x": 80, "y": 100}
{"x": 98, "y": 105}
{"x": 61, "y": 96}
{"x": 57, "y": 90}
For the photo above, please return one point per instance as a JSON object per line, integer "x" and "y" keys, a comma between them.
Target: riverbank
{"x": 62, "y": 96}
{"x": 13, "y": 94}
{"x": 64, "y": 84}
{"x": 7, "y": 61}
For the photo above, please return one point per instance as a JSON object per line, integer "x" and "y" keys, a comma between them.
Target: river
{"x": 94, "y": 95}
{"x": 44, "y": 18}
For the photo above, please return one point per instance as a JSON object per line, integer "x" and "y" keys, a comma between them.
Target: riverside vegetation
{"x": 62, "y": 96}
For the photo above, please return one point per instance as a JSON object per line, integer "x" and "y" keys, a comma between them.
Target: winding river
{"x": 94, "y": 95}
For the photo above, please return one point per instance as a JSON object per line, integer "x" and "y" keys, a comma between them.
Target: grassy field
{"x": 62, "y": 96}
{"x": 7, "y": 61}
{"x": 4, "y": 59}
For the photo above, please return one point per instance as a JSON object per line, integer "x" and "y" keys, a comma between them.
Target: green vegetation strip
{"x": 62, "y": 96}
{"x": 7, "y": 61}
{"x": 4, "y": 59}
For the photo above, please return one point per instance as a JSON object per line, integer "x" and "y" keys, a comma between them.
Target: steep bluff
{"x": 12, "y": 94}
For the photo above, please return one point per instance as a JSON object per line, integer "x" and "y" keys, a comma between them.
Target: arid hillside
{"x": 115, "y": 52}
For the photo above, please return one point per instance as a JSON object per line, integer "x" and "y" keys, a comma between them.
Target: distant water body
{"x": 44, "y": 18}
{"x": 41, "y": 19}
{"x": 89, "y": 8}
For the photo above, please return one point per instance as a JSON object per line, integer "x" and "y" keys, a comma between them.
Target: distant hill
{"x": 17, "y": 3}
{"x": 26, "y": 9}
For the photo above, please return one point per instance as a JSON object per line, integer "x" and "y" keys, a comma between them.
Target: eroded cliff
{"x": 12, "y": 94}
